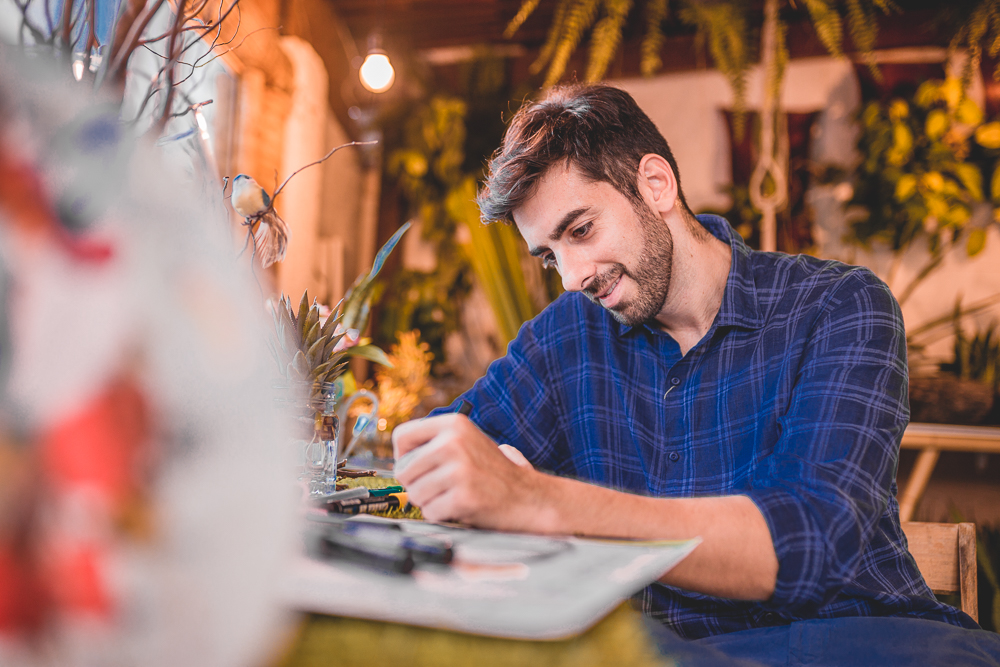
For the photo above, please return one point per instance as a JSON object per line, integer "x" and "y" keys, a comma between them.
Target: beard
{"x": 651, "y": 274}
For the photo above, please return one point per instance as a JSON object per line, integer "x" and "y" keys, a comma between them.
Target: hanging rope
{"x": 769, "y": 163}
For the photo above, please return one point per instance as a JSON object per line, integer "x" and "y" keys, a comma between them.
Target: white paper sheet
{"x": 500, "y": 584}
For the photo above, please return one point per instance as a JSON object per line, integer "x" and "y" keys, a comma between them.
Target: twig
{"x": 312, "y": 164}
{"x": 219, "y": 55}
{"x": 191, "y": 108}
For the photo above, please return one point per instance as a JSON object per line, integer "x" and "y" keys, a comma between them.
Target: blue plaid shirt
{"x": 796, "y": 397}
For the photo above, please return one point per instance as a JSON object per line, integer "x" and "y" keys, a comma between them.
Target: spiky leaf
{"x": 303, "y": 314}
{"x": 371, "y": 353}
{"x": 358, "y": 294}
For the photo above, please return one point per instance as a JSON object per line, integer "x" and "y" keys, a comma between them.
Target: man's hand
{"x": 457, "y": 473}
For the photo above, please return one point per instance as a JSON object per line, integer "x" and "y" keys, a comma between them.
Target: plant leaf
{"x": 356, "y": 296}
{"x": 976, "y": 242}
{"x": 370, "y": 352}
{"x": 303, "y": 313}
{"x": 314, "y": 354}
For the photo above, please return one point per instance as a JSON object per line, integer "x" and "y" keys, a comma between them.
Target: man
{"x": 685, "y": 386}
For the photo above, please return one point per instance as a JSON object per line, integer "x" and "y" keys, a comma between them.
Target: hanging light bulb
{"x": 376, "y": 72}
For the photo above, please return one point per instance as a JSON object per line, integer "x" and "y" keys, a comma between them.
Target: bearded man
{"x": 684, "y": 386}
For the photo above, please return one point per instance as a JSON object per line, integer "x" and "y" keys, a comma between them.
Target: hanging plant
{"x": 722, "y": 26}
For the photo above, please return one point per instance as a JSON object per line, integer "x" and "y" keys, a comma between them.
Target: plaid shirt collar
{"x": 740, "y": 307}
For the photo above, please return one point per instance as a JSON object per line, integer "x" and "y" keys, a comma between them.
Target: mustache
{"x": 603, "y": 281}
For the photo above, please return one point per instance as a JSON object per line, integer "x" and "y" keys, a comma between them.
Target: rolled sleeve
{"x": 826, "y": 483}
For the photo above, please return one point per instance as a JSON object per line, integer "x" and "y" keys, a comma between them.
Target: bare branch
{"x": 65, "y": 23}
{"x": 230, "y": 50}
{"x": 192, "y": 107}
{"x": 91, "y": 34}
{"x": 36, "y": 33}
{"x": 312, "y": 164}
{"x": 132, "y": 38}
{"x": 161, "y": 123}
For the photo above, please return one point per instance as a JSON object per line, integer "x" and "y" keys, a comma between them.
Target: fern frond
{"x": 579, "y": 17}
{"x": 606, "y": 37}
{"x": 555, "y": 31}
{"x": 652, "y": 43}
{"x": 527, "y": 8}
{"x": 725, "y": 27}
{"x": 828, "y": 25}
{"x": 864, "y": 33}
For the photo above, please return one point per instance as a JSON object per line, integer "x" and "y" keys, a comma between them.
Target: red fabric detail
{"x": 99, "y": 446}
{"x": 24, "y": 599}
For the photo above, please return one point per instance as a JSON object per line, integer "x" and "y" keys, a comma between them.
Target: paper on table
{"x": 500, "y": 584}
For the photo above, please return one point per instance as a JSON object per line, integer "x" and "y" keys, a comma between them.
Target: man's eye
{"x": 549, "y": 261}
{"x": 582, "y": 230}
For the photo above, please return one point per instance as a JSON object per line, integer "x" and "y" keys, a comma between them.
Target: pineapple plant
{"x": 312, "y": 351}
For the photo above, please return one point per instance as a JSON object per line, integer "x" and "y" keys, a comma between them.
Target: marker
{"x": 391, "y": 501}
{"x": 464, "y": 408}
{"x": 384, "y": 491}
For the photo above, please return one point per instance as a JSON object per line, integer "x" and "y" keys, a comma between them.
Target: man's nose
{"x": 576, "y": 272}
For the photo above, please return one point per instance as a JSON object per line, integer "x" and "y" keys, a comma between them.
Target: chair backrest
{"x": 946, "y": 556}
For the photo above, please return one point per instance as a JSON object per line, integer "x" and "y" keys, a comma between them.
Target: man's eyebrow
{"x": 560, "y": 229}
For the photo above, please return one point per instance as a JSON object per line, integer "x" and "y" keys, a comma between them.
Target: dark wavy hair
{"x": 597, "y": 128}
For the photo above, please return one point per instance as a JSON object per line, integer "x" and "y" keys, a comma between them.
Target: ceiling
{"x": 419, "y": 25}
{"x": 438, "y": 26}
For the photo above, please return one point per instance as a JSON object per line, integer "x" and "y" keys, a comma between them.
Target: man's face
{"x": 617, "y": 254}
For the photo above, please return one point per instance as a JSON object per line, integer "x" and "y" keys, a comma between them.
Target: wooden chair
{"x": 946, "y": 556}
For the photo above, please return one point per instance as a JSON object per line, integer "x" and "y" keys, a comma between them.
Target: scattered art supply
{"x": 344, "y": 472}
{"x": 385, "y": 503}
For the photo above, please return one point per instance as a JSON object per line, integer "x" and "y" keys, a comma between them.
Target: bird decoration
{"x": 253, "y": 203}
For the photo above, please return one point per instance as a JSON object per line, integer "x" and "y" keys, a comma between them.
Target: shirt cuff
{"x": 799, "y": 544}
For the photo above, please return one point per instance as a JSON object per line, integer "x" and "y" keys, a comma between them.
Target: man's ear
{"x": 657, "y": 183}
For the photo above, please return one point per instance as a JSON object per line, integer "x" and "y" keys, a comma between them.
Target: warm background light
{"x": 377, "y": 74}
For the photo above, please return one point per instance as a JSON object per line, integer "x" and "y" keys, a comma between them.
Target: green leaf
{"x": 355, "y": 313}
{"x": 976, "y": 242}
{"x": 371, "y": 353}
{"x": 315, "y": 352}
{"x": 971, "y": 178}
{"x": 303, "y": 313}
{"x": 383, "y": 253}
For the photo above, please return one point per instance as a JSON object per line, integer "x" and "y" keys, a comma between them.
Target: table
{"x": 621, "y": 638}
{"x": 931, "y": 440}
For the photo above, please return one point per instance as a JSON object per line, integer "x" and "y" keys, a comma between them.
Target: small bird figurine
{"x": 253, "y": 203}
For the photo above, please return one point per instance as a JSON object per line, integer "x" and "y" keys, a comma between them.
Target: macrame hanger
{"x": 769, "y": 164}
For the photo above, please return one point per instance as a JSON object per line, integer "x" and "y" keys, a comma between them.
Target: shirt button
{"x": 770, "y": 617}
{"x": 675, "y": 381}
{"x": 675, "y": 457}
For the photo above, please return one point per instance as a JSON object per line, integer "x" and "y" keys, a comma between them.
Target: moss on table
{"x": 620, "y": 639}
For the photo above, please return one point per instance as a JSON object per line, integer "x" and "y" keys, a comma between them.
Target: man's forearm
{"x": 736, "y": 558}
